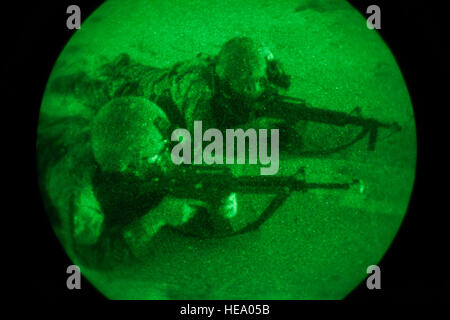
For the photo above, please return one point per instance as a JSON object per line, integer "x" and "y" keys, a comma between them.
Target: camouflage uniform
{"x": 186, "y": 92}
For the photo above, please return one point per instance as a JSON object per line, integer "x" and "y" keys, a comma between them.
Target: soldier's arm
{"x": 193, "y": 97}
{"x": 87, "y": 216}
{"x": 129, "y": 77}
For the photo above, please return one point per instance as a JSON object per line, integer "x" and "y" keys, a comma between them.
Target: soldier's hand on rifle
{"x": 177, "y": 211}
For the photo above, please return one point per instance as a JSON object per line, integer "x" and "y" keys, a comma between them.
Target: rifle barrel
{"x": 293, "y": 109}
{"x": 204, "y": 180}
{"x": 298, "y": 110}
{"x": 279, "y": 184}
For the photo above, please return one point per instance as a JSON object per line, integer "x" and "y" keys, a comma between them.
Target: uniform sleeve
{"x": 127, "y": 77}
{"x": 193, "y": 98}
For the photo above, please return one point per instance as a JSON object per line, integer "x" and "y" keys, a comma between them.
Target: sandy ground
{"x": 319, "y": 244}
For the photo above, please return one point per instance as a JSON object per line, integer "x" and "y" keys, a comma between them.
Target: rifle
{"x": 293, "y": 110}
{"x": 211, "y": 184}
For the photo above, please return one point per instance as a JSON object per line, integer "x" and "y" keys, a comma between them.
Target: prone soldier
{"x": 136, "y": 107}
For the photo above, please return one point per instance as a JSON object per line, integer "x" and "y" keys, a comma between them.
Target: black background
{"x": 413, "y": 267}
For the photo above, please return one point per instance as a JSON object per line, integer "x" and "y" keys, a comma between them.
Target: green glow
{"x": 318, "y": 244}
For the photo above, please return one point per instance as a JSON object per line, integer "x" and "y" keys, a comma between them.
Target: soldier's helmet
{"x": 127, "y": 135}
{"x": 241, "y": 66}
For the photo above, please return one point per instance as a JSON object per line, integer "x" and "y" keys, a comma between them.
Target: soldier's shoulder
{"x": 200, "y": 66}
{"x": 195, "y": 73}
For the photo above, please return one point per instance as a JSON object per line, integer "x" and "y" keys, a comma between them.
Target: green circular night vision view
{"x": 226, "y": 150}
